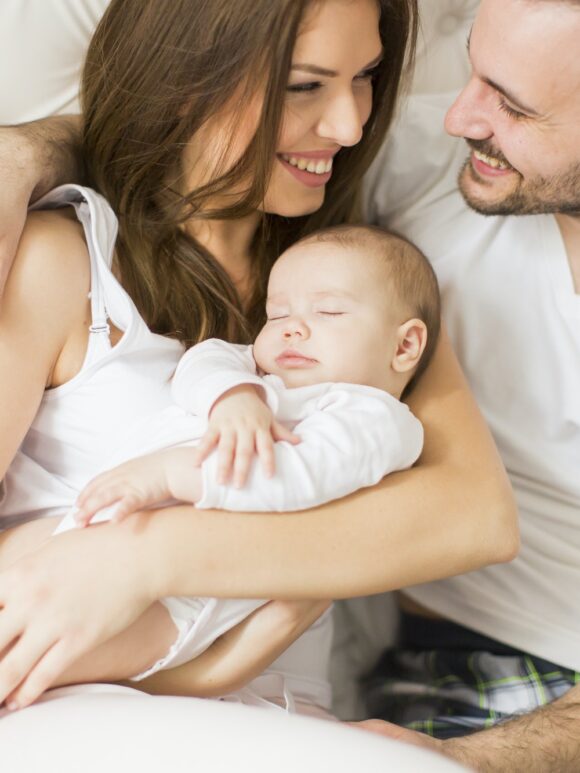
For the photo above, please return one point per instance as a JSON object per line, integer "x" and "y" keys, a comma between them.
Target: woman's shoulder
{"x": 54, "y": 237}
{"x": 50, "y": 278}
{"x": 52, "y": 256}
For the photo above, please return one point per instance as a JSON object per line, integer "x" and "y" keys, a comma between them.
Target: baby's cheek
{"x": 262, "y": 353}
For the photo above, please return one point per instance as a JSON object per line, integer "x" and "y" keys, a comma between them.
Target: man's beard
{"x": 537, "y": 196}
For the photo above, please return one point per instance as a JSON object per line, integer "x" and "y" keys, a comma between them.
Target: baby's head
{"x": 351, "y": 304}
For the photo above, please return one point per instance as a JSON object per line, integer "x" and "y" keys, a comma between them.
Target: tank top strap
{"x": 100, "y": 227}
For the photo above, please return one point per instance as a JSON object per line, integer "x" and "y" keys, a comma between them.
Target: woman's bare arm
{"x": 239, "y": 655}
{"x": 452, "y": 513}
{"x": 34, "y": 158}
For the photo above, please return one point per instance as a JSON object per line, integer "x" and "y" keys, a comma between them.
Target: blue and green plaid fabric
{"x": 456, "y": 687}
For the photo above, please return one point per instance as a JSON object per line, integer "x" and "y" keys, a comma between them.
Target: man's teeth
{"x": 490, "y": 160}
{"x": 309, "y": 164}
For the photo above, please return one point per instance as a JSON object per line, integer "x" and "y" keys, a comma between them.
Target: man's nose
{"x": 470, "y": 115}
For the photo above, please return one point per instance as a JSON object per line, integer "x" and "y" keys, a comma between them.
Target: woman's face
{"x": 328, "y": 101}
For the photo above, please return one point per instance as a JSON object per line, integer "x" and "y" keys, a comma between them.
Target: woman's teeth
{"x": 309, "y": 164}
{"x": 490, "y": 160}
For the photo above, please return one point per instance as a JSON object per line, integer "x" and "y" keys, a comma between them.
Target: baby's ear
{"x": 411, "y": 342}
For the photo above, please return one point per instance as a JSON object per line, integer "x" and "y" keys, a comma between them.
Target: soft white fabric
{"x": 42, "y": 48}
{"x": 127, "y": 385}
{"x": 43, "y": 44}
{"x": 78, "y": 423}
{"x": 352, "y": 436}
{"x": 441, "y": 62}
{"x": 97, "y": 728}
{"x": 514, "y": 319}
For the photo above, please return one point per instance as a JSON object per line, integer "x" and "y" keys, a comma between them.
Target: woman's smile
{"x": 312, "y": 170}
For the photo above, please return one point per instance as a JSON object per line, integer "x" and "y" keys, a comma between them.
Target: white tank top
{"x": 78, "y": 424}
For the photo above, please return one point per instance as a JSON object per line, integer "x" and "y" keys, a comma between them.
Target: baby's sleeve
{"x": 211, "y": 368}
{"x": 352, "y": 439}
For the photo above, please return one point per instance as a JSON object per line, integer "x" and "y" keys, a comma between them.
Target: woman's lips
{"x": 293, "y": 359}
{"x": 309, "y": 179}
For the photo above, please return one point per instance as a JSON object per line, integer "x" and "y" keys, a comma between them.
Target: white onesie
{"x": 123, "y": 398}
{"x": 352, "y": 436}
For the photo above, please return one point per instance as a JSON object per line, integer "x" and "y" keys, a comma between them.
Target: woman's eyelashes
{"x": 303, "y": 88}
{"x": 370, "y": 74}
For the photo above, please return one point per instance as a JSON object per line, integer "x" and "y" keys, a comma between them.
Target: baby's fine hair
{"x": 410, "y": 273}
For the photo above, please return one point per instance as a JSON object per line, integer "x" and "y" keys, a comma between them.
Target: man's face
{"x": 520, "y": 111}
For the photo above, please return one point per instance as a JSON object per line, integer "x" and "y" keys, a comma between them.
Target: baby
{"x": 353, "y": 317}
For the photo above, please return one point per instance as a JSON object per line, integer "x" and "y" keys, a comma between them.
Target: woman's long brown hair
{"x": 156, "y": 72}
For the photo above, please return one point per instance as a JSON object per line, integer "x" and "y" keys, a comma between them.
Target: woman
{"x": 207, "y": 174}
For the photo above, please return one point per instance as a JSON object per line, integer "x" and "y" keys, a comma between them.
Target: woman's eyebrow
{"x": 314, "y": 69}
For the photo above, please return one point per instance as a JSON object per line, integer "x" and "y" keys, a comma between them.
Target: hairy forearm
{"x": 548, "y": 739}
{"x": 45, "y": 152}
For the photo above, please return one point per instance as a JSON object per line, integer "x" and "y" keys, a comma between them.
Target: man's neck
{"x": 570, "y": 228}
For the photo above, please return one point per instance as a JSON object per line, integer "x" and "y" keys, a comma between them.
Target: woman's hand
{"x": 241, "y": 425}
{"x": 60, "y": 601}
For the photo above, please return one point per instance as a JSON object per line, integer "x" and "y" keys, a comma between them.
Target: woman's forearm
{"x": 239, "y": 655}
{"x": 452, "y": 513}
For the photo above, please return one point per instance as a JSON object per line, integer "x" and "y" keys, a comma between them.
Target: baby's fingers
{"x": 225, "y": 452}
{"x": 265, "y": 450}
{"x": 127, "y": 505}
{"x": 99, "y": 497}
{"x": 280, "y": 432}
{"x": 245, "y": 449}
{"x": 206, "y": 446}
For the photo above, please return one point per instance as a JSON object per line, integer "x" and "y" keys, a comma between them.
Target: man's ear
{"x": 411, "y": 342}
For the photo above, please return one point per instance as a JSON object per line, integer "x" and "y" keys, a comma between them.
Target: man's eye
{"x": 303, "y": 88}
{"x": 515, "y": 114}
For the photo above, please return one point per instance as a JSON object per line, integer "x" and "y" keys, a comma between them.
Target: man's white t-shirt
{"x": 514, "y": 320}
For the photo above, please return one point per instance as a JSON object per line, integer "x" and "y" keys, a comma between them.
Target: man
{"x": 503, "y": 641}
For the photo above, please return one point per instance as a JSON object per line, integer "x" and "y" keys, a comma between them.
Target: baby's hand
{"x": 241, "y": 425}
{"x": 142, "y": 482}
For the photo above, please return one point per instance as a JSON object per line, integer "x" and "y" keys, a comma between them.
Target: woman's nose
{"x": 343, "y": 118}
{"x": 470, "y": 115}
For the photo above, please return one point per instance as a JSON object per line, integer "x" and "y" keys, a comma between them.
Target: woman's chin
{"x": 297, "y": 206}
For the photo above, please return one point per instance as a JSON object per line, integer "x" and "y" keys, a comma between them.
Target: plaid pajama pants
{"x": 447, "y": 681}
